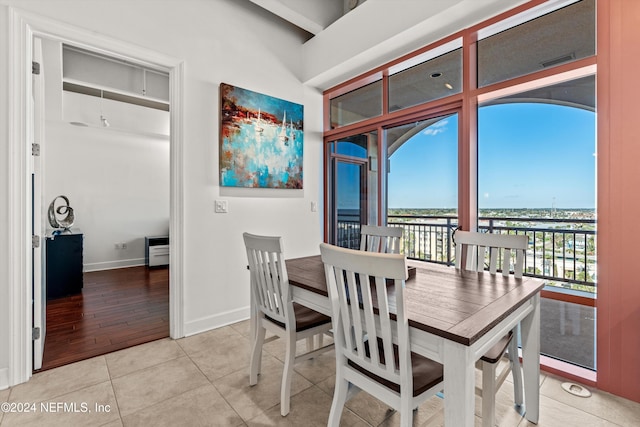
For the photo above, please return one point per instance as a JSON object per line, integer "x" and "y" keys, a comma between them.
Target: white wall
{"x": 5, "y": 184}
{"x": 220, "y": 41}
{"x": 116, "y": 178}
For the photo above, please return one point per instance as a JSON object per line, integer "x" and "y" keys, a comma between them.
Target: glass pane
{"x": 360, "y": 104}
{"x": 568, "y": 332}
{"x": 433, "y": 79}
{"x": 354, "y": 146}
{"x": 349, "y": 204}
{"x": 537, "y": 176}
{"x": 422, "y": 184}
{"x": 565, "y": 35}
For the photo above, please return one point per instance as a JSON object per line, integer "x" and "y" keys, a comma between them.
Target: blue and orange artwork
{"x": 261, "y": 140}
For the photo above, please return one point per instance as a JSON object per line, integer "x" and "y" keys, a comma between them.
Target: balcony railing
{"x": 560, "y": 250}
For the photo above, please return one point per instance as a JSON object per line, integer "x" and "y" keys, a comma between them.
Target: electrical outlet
{"x": 314, "y": 206}
{"x": 123, "y": 245}
{"x": 221, "y": 206}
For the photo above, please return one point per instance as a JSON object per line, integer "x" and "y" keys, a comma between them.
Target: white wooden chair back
{"x": 349, "y": 274}
{"x": 476, "y": 246}
{"x": 269, "y": 277}
{"x": 380, "y": 239}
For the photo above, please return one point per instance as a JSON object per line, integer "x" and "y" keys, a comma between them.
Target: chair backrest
{"x": 350, "y": 273}
{"x": 269, "y": 281}
{"x": 477, "y": 245}
{"x": 380, "y": 239}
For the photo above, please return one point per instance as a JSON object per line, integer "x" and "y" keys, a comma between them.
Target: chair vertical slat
{"x": 341, "y": 286}
{"x": 368, "y": 317}
{"x": 385, "y": 325}
{"x": 472, "y": 259}
{"x": 354, "y": 314}
{"x": 506, "y": 262}
{"x": 519, "y": 265}
{"x": 493, "y": 260}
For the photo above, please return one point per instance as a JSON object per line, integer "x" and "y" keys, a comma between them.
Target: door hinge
{"x": 35, "y": 149}
{"x": 35, "y": 67}
{"x": 35, "y": 333}
{"x": 35, "y": 241}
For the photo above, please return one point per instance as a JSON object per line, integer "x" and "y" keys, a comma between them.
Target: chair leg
{"x": 340, "y": 392}
{"x": 516, "y": 370}
{"x": 320, "y": 340}
{"x": 406, "y": 411}
{"x": 287, "y": 373}
{"x": 310, "y": 343}
{"x": 256, "y": 355}
{"x": 488, "y": 394}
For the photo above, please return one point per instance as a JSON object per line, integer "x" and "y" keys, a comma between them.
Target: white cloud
{"x": 436, "y": 128}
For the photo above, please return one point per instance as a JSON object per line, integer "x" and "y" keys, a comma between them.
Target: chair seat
{"x": 495, "y": 353}
{"x": 426, "y": 372}
{"x": 306, "y": 318}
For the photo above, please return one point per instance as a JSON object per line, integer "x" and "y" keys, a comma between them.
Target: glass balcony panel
{"x": 568, "y": 332}
{"x": 434, "y": 79}
{"x": 559, "y": 37}
{"x": 359, "y": 104}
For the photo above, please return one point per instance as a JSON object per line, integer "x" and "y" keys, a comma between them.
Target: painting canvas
{"x": 261, "y": 140}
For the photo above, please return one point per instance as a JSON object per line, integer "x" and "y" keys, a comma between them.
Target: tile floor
{"x": 203, "y": 380}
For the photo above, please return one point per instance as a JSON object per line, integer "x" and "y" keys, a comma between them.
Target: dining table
{"x": 455, "y": 316}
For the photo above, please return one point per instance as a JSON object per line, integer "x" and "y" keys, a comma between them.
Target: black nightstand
{"x": 64, "y": 264}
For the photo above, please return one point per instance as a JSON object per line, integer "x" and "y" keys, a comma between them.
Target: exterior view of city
{"x": 562, "y": 242}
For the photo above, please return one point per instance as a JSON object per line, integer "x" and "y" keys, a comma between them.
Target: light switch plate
{"x": 221, "y": 206}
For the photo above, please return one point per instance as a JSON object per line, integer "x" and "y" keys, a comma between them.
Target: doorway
{"x": 24, "y": 28}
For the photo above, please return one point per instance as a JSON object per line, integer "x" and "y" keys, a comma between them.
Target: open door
{"x": 37, "y": 218}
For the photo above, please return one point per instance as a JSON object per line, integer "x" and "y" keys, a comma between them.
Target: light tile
{"x": 4, "y": 397}
{"x": 59, "y": 381}
{"x": 319, "y": 368}
{"x": 604, "y": 405}
{"x": 221, "y": 360}
{"x": 79, "y": 408}
{"x": 149, "y": 386}
{"x": 116, "y": 423}
{"x": 309, "y": 408}
{"x": 558, "y": 414}
{"x": 142, "y": 356}
{"x": 210, "y": 339}
{"x": 251, "y": 401}
{"x": 203, "y": 406}
{"x": 243, "y": 327}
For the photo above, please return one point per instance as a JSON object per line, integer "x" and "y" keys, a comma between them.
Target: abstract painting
{"x": 261, "y": 140}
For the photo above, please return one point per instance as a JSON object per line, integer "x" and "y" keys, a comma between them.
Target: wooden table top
{"x": 455, "y": 304}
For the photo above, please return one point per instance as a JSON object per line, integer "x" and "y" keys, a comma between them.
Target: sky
{"x": 529, "y": 156}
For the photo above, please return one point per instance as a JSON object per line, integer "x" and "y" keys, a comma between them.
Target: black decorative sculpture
{"x": 65, "y": 222}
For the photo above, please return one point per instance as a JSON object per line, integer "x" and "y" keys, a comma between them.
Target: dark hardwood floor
{"x": 116, "y": 309}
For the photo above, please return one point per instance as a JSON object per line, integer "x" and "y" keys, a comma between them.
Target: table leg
{"x": 530, "y": 330}
{"x": 459, "y": 385}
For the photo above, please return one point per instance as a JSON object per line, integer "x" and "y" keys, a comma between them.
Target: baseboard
{"x": 4, "y": 378}
{"x": 111, "y": 265}
{"x": 216, "y": 321}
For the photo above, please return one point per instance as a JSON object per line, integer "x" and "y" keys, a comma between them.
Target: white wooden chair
{"x": 380, "y": 239}
{"x": 478, "y": 246}
{"x": 277, "y": 313}
{"x": 389, "y": 371}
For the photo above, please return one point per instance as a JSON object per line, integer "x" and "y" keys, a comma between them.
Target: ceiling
{"x": 312, "y": 16}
